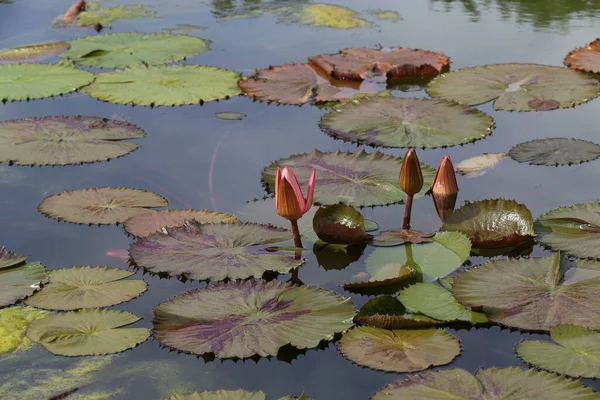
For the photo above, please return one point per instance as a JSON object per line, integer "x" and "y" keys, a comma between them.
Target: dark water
{"x": 175, "y": 156}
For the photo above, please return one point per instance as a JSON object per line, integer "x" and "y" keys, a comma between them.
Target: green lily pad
{"x": 9, "y": 258}
{"x": 240, "y": 319}
{"x": 20, "y": 281}
{"x": 95, "y": 14}
{"x": 32, "y": 52}
{"x": 36, "y": 81}
{"x": 399, "y": 350}
{"x": 329, "y": 16}
{"x": 89, "y": 332}
{"x": 555, "y": 151}
{"x": 230, "y": 116}
{"x": 165, "y": 86}
{"x": 403, "y": 122}
{"x": 221, "y": 395}
{"x": 514, "y": 86}
{"x": 120, "y": 50}
{"x": 102, "y": 206}
{"x": 388, "y": 313}
{"x": 361, "y": 179}
{"x": 143, "y": 225}
{"x": 399, "y": 237}
{"x": 340, "y": 224}
{"x": 86, "y": 287}
{"x": 535, "y": 293}
{"x": 487, "y": 383}
{"x": 13, "y": 324}
{"x": 436, "y": 302}
{"x": 574, "y": 351}
{"x": 215, "y": 251}
{"x": 492, "y": 223}
{"x": 65, "y": 140}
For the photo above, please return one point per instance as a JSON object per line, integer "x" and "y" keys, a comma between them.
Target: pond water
{"x": 182, "y": 143}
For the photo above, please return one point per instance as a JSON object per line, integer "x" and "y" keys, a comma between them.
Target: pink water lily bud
{"x": 444, "y": 182}
{"x": 289, "y": 200}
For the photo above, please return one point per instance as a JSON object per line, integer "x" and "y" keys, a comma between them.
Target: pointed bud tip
{"x": 444, "y": 182}
{"x": 411, "y": 176}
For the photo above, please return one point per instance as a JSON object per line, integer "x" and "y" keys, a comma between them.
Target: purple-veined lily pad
{"x": 535, "y": 293}
{"x": 241, "y": 319}
{"x": 145, "y": 224}
{"x": 514, "y": 86}
{"x": 360, "y": 179}
{"x": 487, "y": 383}
{"x": 215, "y": 251}
{"x": 32, "y": 52}
{"x": 397, "y": 237}
{"x": 9, "y": 258}
{"x": 586, "y": 58}
{"x": 20, "y": 281}
{"x": 555, "y": 151}
{"x": 340, "y": 224}
{"x": 399, "y": 350}
{"x": 388, "y": 313}
{"x": 65, "y": 140}
{"x": 400, "y": 122}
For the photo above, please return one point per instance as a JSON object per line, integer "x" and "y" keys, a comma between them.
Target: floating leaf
{"x": 555, "y": 151}
{"x": 534, "y": 294}
{"x": 543, "y": 105}
{"x": 388, "y": 313}
{"x": 340, "y": 224}
{"x": 393, "y": 63}
{"x": 89, "y": 332}
{"x": 401, "y": 122}
{"x": 221, "y": 395}
{"x": 488, "y": 383}
{"x": 86, "y": 287}
{"x": 394, "y": 273}
{"x": 165, "y": 86}
{"x": 102, "y": 206}
{"x": 32, "y": 52}
{"x": 143, "y": 225}
{"x": 240, "y": 319}
{"x": 21, "y": 281}
{"x": 386, "y": 15}
{"x": 478, "y": 165}
{"x": 399, "y": 237}
{"x": 492, "y": 223}
{"x": 513, "y": 86}
{"x": 215, "y": 251}
{"x": 586, "y": 58}
{"x": 13, "y": 324}
{"x": 184, "y": 28}
{"x": 230, "y": 116}
{"x": 65, "y": 140}
{"x": 361, "y": 179}
{"x": 436, "y": 302}
{"x": 337, "y": 256}
{"x": 36, "y": 81}
{"x": 330, "y": 16}
{"x": 399, "y": 350}
{"x": 120, "y": 50}
{"x": 10, "y": 258}
{"x": 94, "y": 14}
{"x": 574, "y": 352}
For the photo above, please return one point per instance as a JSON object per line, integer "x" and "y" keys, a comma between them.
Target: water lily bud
{"x": 444, "y": 182}
{"x": 289, "y": 200}
{"x": 411, "y": 177}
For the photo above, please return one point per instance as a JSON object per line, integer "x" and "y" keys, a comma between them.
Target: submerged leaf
{"x": 330, "y": 16}
{"x": 399, "y": 237}
{"x": 94, "y": 14}
{"x": 13, "y": 324}
{"x": 20, "y": 281}
{"x": 143, "y": 225}
{"x": 478, "y": 165}
{"x": 340, "y": 224}
{"x": 555, "y": 151}
{"x": 388, "y": 313}
{"x": 586, "y": 58}
{"x": 386, "y": 15}
{"x": 32, "y": 52}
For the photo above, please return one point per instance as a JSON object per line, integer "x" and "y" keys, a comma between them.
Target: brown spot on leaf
{"x": 543, "y": 105}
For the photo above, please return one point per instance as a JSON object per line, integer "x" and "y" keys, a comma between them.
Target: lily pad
{"x": 394, "y": 273}
{"x": 330, "y": 16}
{"x": 574, "y": 351}
{"x": 36, "y": 81}
{"x": 230, "y": 116}
{"x": 13, "y": 324}
{"x": 478, "y": 165}
{"x": 574, "y": 229}
{"x": 215, "y": 251}
{"x": 399, "y": 350}
{"x": 32, "y": 52}
{"x": 240, "y": 319}
{"x": 401, "y": 122}
{"x": 65, "y": 140}
{"x": 513, "y": 86}
{"x": 20, "y": 281}
{"x": 388, "y": 313}
{"x": 10, "y": 258}
{"x": 89, "y": 332}
{"x": 102, "y": 206}
{"x": 488, "y": 383}
{"x": 94, "y": 14}
{"x": 143, "y": 225}
{"x": 120, "y": 50}
{"x": 165, "y": 86}
{"x": 586, "y": 58}
{"x": 534, "y": 294}
{"x": 361, "y": 179}
{"x": 360, "y": 62}
{"x": 492, "y": 223}
{"x": 438, "y": 303}
{"x": 399, "y": 237}
{"x": 221, "y": 395}
{"x": 555, "y": 151}
{"x": 340, "y": 224}
{"x": 86, "y": 287}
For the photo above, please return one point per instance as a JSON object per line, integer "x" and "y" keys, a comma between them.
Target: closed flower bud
{"x": 444, "y": 183}
{"x": 411, "y": 177}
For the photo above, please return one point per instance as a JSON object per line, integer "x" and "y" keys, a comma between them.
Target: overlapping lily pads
{"x": 514, "y": 86}
{"x": 240, "y": 319}
{"x": 145, "y": 224}
{"x": 361, "y": 179}
{"x": 32, "y": 52}
{"x": 20, "y": 281}
{"x": 9, "y": 258}
{"x": 555, "y": 151}
{"x": 586, "y": 58}
{"x": 388, "y": 313}
{"x": 165, "y": 86}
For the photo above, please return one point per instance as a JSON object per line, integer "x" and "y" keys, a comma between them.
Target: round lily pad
{"x": 492, "y": 223}
{"x": 534, "y": 293}
{"x": 388, "y": 313}
{"x": 20, "y": 281}
{"x": 120, "y": 50}
{"x": 586, "y": 58}
{"x": 487, "y": 383}
{"x": 32, "y": 52}
{"x": 89, "y": 332}
{"x": 215, "y": 251}
{"x": 102, "y": 206}
{"x": 165, "y": 86}
{"x": 399, "y": 350}
{"x": 221, "y": 395}
{"x": 36, "y": 81}
{"x": 86, "y": 287}
{"x": 240, "y": 319}
{"x": 361, "y": 179}
{"x": 143, "y": 225}
{"x": 513, "y": 86}
{"x": 10, "y": 258}
{"x": 400, "y": 122}
{"x": 573, "y": 351}
{"x": 65, "y": 140}
{"x": 555, "y": 151}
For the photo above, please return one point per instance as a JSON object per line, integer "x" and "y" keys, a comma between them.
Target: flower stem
{"x": 296, "y": 233}
{"x": 407, "y": 212}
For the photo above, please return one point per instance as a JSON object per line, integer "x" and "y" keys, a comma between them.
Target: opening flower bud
{"x": 444, "y": 183}
{"x": 411, "y": 177}
{"x": 289, "y": 200}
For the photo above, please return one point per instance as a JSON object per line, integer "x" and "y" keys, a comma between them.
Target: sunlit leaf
{"x": 32, "y": 52}
{"x": 478, "y": 165}
{"x": 393, "y": 274}
{"x": 330, "y": 16}
{"x": 555, "y": 151}
{"x": 388, "y": 313}
{"x": 143, "y": 225}
{"x": 95, "y": 14}
{"x": 14, "y": 321}
{"x": 586, "y": 58}
{"x": 20, "y": 281}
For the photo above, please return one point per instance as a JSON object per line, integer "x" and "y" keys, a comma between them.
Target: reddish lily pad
{"x": 32, "y": 52}
{"x": 145, "y": 224}
{"x": 398, "y": 237}
{"x": 586, "y": 58}
{"x": 543, "y": 105}
{"x": 9, "y": 258}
